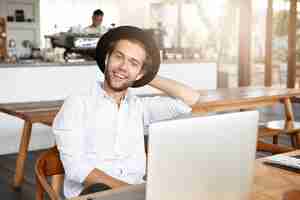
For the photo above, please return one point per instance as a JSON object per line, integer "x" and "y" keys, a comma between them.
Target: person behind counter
{"x": 96, "y": 26}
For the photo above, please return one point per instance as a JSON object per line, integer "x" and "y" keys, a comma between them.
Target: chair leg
{"x": 39, "y": 192}
{"x": 275, "y": 139}
{"x": 56, "y": 183}
{"x": 291, "y": 195}
{"x": 294, "y": 140}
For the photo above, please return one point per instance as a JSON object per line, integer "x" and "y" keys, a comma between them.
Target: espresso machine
{"x": 82, "y": 44}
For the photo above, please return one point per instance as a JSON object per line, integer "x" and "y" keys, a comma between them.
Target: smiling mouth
{"x": 119, "y": 76}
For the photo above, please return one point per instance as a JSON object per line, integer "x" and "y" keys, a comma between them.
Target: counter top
{"x": 47, "y": 64}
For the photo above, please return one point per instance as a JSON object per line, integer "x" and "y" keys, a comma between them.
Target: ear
{"x": 140, "y": 75}
{"x": 106, "y": 60}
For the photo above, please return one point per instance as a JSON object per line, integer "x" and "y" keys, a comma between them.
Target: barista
{"x": 96, "y": 27}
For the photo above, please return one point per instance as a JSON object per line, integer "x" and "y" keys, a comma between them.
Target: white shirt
{"x": 92, "y": 132}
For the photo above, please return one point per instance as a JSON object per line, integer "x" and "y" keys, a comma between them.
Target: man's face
{"x": 124, "y": 65}
{"x": 97, "y": 20}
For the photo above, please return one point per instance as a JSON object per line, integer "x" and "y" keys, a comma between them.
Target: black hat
{"x": 130, "y": 32}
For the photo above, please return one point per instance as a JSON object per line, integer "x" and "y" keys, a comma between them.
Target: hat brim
{"x": 130, "y": 32}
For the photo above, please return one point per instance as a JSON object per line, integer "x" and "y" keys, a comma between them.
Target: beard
{"x": 117, "y": 86}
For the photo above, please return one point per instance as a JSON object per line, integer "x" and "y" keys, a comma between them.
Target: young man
{"x": 100, "y": 135}
{"x": 96, "y": 27}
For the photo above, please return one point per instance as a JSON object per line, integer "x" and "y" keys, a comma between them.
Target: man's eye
{"x": 118, "y": 56}
{"x": 134, "y": 64}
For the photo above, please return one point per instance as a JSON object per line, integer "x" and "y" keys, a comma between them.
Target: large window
{"x": 199, "y": 25}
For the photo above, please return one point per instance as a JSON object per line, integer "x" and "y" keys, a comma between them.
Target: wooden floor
{"x": 7, "y": 165}
{"x": 7, "y": 162}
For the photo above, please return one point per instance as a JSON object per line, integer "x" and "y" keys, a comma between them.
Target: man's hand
{"x": 98, "y": 176}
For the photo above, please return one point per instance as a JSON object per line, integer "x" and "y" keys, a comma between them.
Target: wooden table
{"x": 245, "y": 98}
{"x": 31, "y": 112}
{"x": 228, "y": 99}
{"x": 269, "y": 183}
{"x": 210, "y": 101}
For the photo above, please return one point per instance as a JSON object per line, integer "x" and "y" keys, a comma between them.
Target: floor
{"x": 7, "y": 165}
{"x": 7, "y": 162}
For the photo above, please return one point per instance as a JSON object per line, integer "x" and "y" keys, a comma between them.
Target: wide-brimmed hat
{"x": 130, "y": 32}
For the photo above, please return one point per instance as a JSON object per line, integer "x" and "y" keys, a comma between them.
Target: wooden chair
{"x": 274, "y": 148}
{"x": 48, "y": 165}
{"x": 288, "y": 127}
{"x": 292, "y": 195}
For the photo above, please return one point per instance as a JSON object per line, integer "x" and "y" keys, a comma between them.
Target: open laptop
{"x": 209, "y": 158}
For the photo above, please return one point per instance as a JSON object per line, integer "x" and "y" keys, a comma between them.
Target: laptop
{"x": 209, "y": 158}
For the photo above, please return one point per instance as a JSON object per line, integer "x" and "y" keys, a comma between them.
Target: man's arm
{"x": 176, "y": 89}
{"x": 98, "y": 176}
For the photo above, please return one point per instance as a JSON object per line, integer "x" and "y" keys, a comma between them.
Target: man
{"x": 96, "y": 27}
{"x": 100, "y": 135}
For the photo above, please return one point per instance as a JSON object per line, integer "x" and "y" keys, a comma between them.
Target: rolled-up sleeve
{"x": 69, "y": 134}
{"x": 161, "y": 108}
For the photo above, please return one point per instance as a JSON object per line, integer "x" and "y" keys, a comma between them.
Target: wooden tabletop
{"x": 241, "y": 98}
{"x": 270, "y": 183}
{"x": 40, "y": 111}
{"x": 209, "y": 101}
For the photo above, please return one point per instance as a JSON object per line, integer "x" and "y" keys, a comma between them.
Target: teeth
{"x": 119, "y": 76}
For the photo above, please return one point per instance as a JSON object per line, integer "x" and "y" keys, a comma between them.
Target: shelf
{"x": 20, "y": 31}
{"x": 24, "y": 2}
{"x": 28, "y": 8}
{"x": 21, "y": 25}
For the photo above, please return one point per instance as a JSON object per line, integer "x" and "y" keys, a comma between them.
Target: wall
{"x": 133, "y": 14}
{"x": 57, "y": 82}
{"x": 34, "y": 84}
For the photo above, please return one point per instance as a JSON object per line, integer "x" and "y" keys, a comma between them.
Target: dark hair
{"x": 148, "y": 61}
{"x": 98, "y": 12}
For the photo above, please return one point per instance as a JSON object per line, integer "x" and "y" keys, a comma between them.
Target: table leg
{"x": 289, "y": 117}
{"x": 22, "y": 155}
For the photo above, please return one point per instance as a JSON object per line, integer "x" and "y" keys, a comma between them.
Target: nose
{"x": 124, "y": 65}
